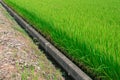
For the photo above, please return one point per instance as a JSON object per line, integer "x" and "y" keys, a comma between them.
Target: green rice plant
{"x": 88, "y": 31}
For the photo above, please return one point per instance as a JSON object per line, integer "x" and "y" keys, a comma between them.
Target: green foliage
{"x": 88, "y": 30}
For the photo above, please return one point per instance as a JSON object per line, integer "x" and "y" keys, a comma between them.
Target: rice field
{"x": 88, "y": 31}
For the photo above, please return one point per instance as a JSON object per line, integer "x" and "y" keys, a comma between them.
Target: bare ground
{"x": 20, "y": 58}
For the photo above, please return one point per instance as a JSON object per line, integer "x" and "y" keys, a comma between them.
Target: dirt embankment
{"x": 20, "y": 58}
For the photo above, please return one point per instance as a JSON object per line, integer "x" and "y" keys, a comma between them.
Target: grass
{"x": 27, "y": 73}
{"x": 87, "y": 30}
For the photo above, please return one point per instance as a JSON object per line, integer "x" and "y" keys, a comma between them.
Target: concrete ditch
{"x": 62, "y": 60}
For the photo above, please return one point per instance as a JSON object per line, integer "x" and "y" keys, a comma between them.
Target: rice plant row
{"x": 88, "y": 31}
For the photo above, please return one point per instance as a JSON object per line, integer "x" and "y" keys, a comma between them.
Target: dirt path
{"x": 20, "y": 58}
